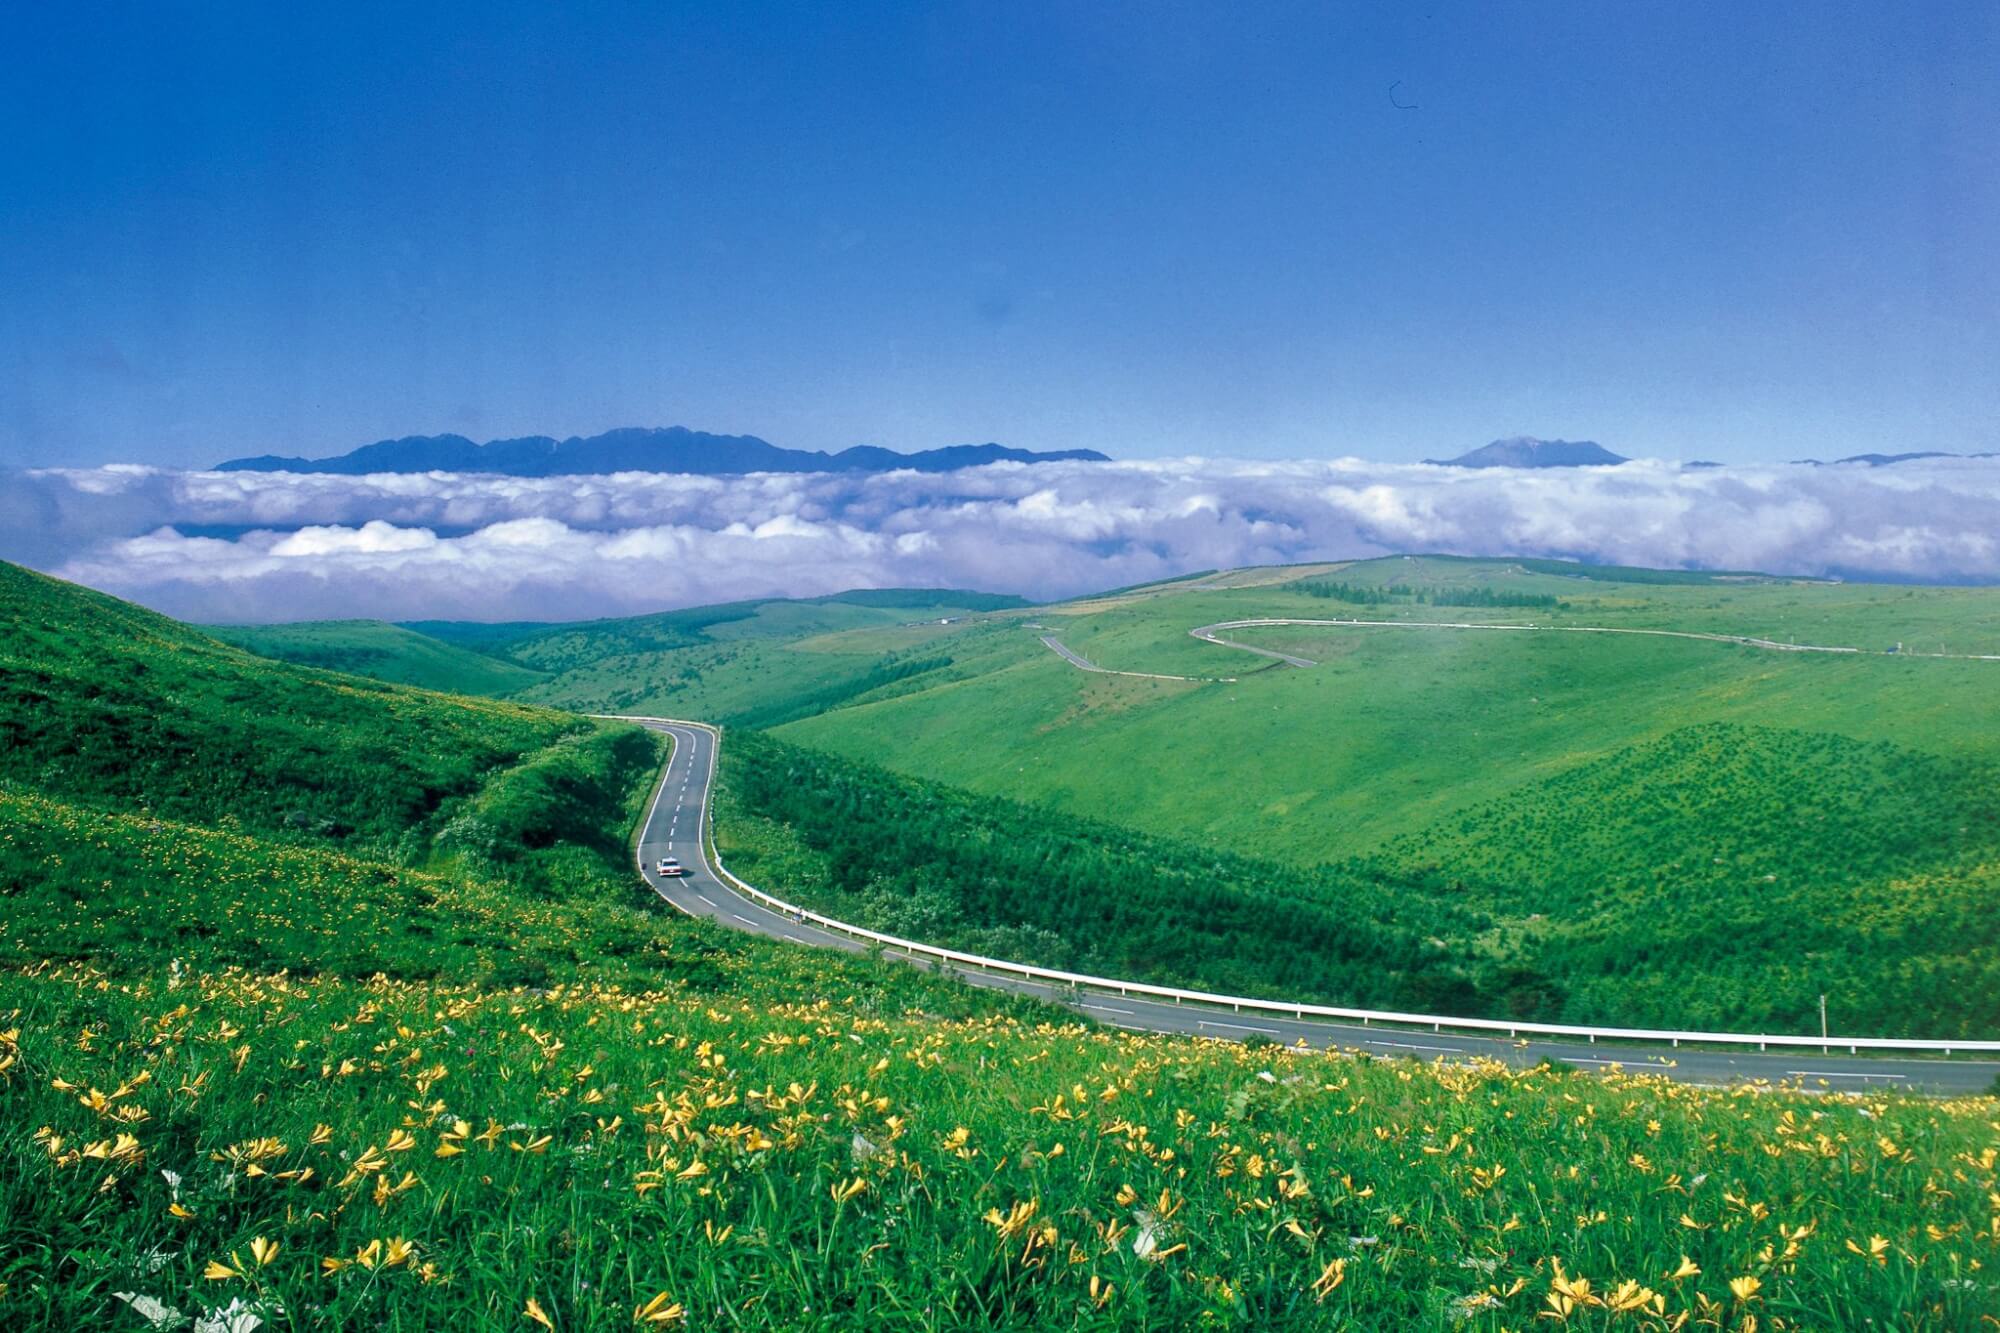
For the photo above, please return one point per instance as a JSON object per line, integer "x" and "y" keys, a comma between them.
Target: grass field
{"x": 1590, "y": 827}
{"x": 1736, "y": 875}
{"x": 335, "y": 1154}
{"x": 331, "y": 1004}
{"x": 1399, "y": 728}
{"x": 384, "y": 651}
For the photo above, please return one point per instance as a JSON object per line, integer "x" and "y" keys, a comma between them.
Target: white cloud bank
{"x": 267, "y": 546}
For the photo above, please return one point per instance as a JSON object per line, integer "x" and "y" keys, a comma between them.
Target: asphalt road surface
{"x": 679, "y": 811}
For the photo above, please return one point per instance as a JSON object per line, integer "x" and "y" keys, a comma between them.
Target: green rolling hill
{"x": 1663, "y": 830}
{"x": 330, "y": 1003}
{"x": 384, "y": 651}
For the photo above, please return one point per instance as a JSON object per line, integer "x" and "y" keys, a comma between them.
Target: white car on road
{"x": 669, "y": 868}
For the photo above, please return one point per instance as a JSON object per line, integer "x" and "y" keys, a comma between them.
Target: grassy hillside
{"x": 1011, "y": 881}
{"x": 752, "y": 663}
{"x": 1727, "y": 876}
{"x": 1724, "y": 877}
{"x": 434, "y": 1060}
{"x": 107, "y": 706}
{"x": 417, "y": 1155}
{"x": 383, "y": 651}
{"x": 1851, "y": 783}
{"x": 1395, "y": 729}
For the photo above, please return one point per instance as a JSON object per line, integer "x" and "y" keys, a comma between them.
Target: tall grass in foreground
{"x": 334, "y": 1154}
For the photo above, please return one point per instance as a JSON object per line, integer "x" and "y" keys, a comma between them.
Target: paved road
{"x": 679, "y": 811}
{"x": 1208, "y": 634}
{"x": 1062, "y": 650}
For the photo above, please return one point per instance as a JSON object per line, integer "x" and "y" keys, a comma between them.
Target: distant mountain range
{"x": 638, "y": 449}
{"x": 1527, "y": 451}
{"x": 1888, "y": 460}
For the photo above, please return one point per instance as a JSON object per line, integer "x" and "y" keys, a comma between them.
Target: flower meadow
{"x": 328, "y": 1008}
{"x": 326, "y": 1154}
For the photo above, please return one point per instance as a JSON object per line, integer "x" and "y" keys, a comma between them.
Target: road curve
{"x": 679, "y": 813}
{"x": 1081, "y": 663}
{"x": 1209, "y": 634}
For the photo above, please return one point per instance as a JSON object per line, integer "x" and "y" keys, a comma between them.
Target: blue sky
{"x": 1735, "y": 232}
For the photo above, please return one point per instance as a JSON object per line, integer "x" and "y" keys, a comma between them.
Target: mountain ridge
{"x": 638, "y": 449}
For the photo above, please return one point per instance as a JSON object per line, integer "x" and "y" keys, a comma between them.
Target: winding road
{"x": 679, "y": 814}
{"x": 1211, "y": 634}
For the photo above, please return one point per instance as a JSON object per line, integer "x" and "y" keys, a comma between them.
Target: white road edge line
{"x": 1239, "y": 1027}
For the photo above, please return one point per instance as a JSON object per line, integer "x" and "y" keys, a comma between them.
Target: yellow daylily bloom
{"x": 533, "y": 1311}
{"x": 662, "y": 1309}
{"x": 1878, "y": 1249}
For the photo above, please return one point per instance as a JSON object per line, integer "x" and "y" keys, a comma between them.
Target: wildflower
{"x": 1688, "y": 1268}
{"x": 217, "y": 1271}
{"x": 843, "y": 1192}
{"x": 1013, "y": 1220}
{"x": 1330, "y": 1277}
{"x": 1745, "y": 1288}
{"x": 1629, "y": 1296}
{"x": 1878, "y": 1249}
{"x": 660, "y": 1310}
{"x": 534, "y": 1311}
{"x": 1100, "y": 1292}
{"x": 263, "y": 1251}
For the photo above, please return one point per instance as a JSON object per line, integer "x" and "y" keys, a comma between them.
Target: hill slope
{"x": 383, "y": 651}
{"x": 463, "y": 1074}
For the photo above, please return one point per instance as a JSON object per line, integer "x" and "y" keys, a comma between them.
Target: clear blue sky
{"x": 1735, "y": 231}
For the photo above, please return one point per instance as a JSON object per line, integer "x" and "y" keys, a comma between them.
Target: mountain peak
{"x": 1527, "y": 451}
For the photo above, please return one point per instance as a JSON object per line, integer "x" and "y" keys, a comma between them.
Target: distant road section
{"x": 1056, "y": 646}
{"x": 679, "y": 813}
{"x": 1212, "y": 634}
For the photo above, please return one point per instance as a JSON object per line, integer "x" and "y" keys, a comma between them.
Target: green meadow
{"x": 1603, "y": 828}
{"x": 330, "y": 1004}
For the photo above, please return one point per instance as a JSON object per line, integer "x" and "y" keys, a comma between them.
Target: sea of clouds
{"x": 245, "y": 546}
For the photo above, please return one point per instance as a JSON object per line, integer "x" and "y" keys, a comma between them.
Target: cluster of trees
{"x": 1727, "y": 875}
{"x": 994, "y": 876}
{"x": 1722, "y": 876}
{"x": 1403, "y": 594}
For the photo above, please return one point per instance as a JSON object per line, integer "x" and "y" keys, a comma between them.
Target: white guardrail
{"x": 1240, "y": 1003}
